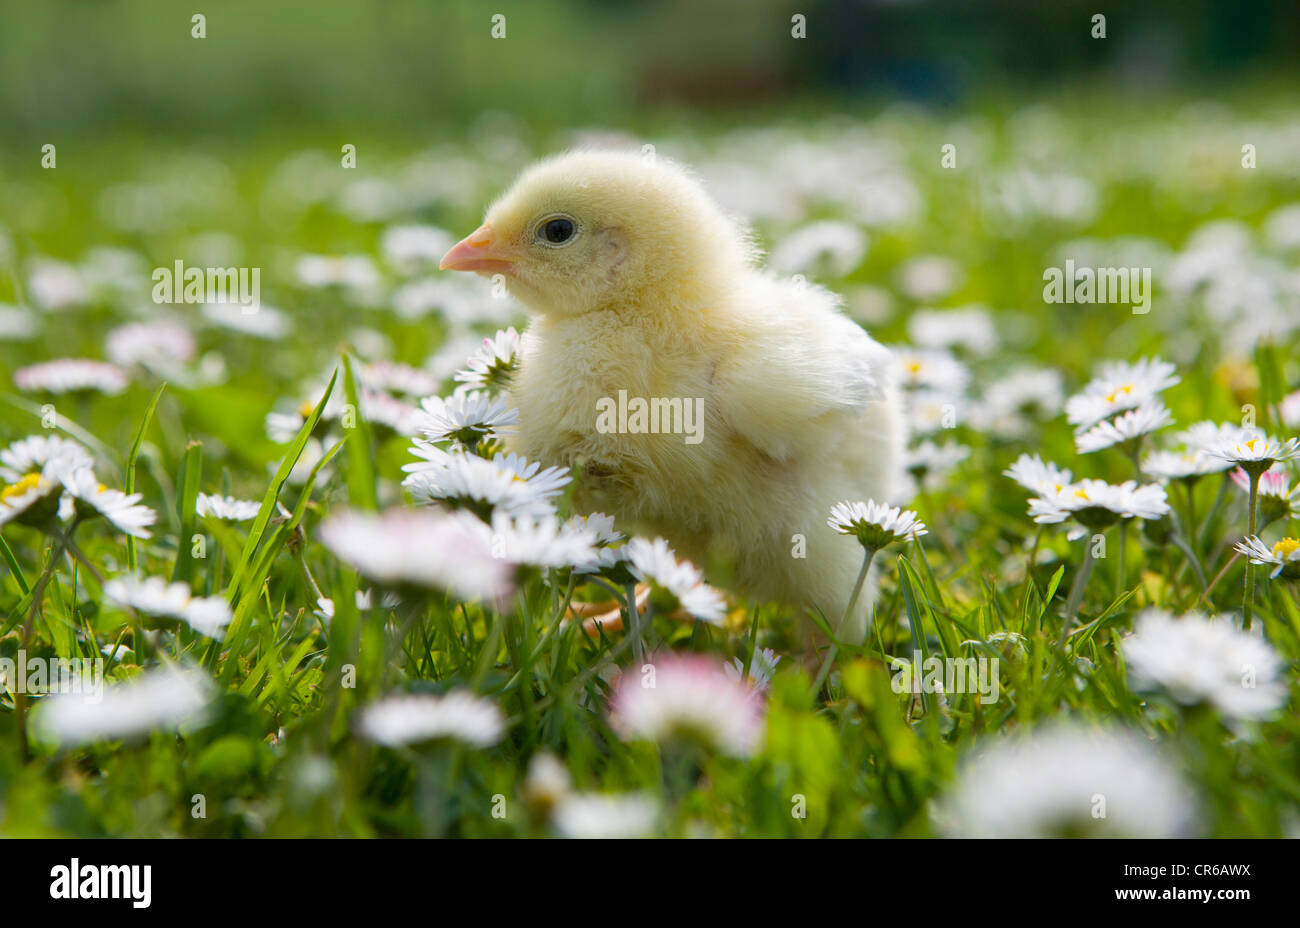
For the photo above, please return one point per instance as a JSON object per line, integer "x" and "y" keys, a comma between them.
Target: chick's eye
{"x": 557, "y": 231}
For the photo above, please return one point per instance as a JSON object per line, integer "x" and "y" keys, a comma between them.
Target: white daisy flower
{"x": 1283, "y": 557}
{"x": 1097, "y": 504}
{"x": 691, "y": 697}
{"x": 1181, "y": 465}
{"x": 929, "y": 277}
{"x": 226, "y": 508}
{"x": 605, "y": 817}
{"x": 94, "y": 499}
{"x": 1064, "y": 780}
{"x": 655, "y": 562}
{"x": 1119, "y": 386}
{"x": 71, "y": 375}
{"x": 57, "y": 285}
{"x": 413, "y": 719}
{"x": 33, "y": 499}
{"x": 492, "y": 365}
{"x": 542, "y": 542}
{"x": 1277, "y": 498}
{"x": 969, "y": 328}
{"x": 761, "y": 669}
{"x": 350, "y": 272}
{"x": 156, "y": 597}
{"x": 841, "y": 246}
{"x": 875, "y": 525}
{"x": 17, "y": 323}
{"x": 508, "y": 482}
{"x": 261, "y": 321}
{"x": 165, "y": 699}
{"x": 1201, "y": 436}
{"x": 929, "y": 368}
{"x": 1198, "y": 659}
{"x": 158, "y": 344}
{"x": 930, "y": 462}
{"x": 547, "y": 782}
{"x": 929, "y": 411}
{"x": 1256, "y": 453}
{"x": 35, "y": 453}
{"x": 398, "y": 378}
{"x": 1289, "y": 410}
{"x": 422, "y": 548}
{"x": 1010, "y": 406}
{"x": 1145, "y": 419}
{"x": 1037, "y": 476}
{"x": 466, "y": 418}
{"x": 410, "y": 247}
{"x": 601, "y": 524}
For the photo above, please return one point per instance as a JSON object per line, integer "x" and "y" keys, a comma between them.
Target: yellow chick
{"x": 694, "y": 395}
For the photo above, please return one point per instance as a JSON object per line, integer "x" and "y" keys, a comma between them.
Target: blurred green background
{"x": 403, "y": 65}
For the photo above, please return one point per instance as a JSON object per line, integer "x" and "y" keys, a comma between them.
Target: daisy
{"x": 93, "y": 499}
{"x": 1201, "y": 436}
{"x": 1288, "y": 409}
{"x": 165, "y": 699}
{"x": 542, "y": 542}
{"x": 154, "y": 596}
{"x": 36, "y": 452}
{"x": 929, "y": 368}
{"x": 1009, "y": 406}
{"x": 31, "y": 500}
{"x": 57, "y": 285}
{"x": 410, "y": 247}
{"x": 1182, "y": 465}
{"x": 761, "y": 669}
{"x": 970, "y": 328}
{"x": 604, "y": 817}
{"x": 1283, "y": 557}
{"x": 261, "y": 321}
{"x": 1096, "y": 504}
{"x": 398, "y": 378}
{"x": 509, "y": 483}
{"x": 687, "y": 697}
{"x": 1119, "y": 386}
{"x": 158, "y": 343}
{"x": 226, "y": 508}
{"x": 875, "y": 525}
{"x": 840, "y": 246}
{"x": 1255, "y": 453}
{"x": 467, "y": 418}
{"x": 1064, "y": 780}
{"x": 929, "y": 277}
{"x": 1198, "y": 659}
{"x": 17, "y": 323}
{"x": 413, "y": 719}
{"x": 601, "y": 524}
{"x": 1037, "y": 476}
{"x": 547, "y": 782}
{"x": 70, "y": 375}
{"x": 655, "y": 562}
{"x": 928, "y": 460}
{"x": 422, "y": 548}
{"x": 1130, "y": 426}
{"x": 351, "y": 272}
{"x": 1277, "y": 498}
{"x": 492, "y": 365}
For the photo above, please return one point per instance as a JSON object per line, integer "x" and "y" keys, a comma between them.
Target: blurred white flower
{"x": 762, "y": 667}
{"x": 655, "y": 562}
{"x": 1119, "y": 386}
{"x": 226, "y": 508}
{"x": 420, "y": 547}
{"x": 676, "y": 696}
{"x": 70, "y": 375}
{"x": 93, "y": 498}
{"x": 969, "y": 328}
{"x": 410, "y": 247}
{"x": 412, "y": 719}
{"x": 1198, "y": 659}
{"x": 160, "y": 344}
{"x": 604, "y": 817}
{"x": 839, "y": 246}
{"x": 1064, "y": 780}
{"x": 1151, "y": 416}
{"x": 157, "y": 597}
{"x": 17, "y": 323}
{"x": 164, "y": 699}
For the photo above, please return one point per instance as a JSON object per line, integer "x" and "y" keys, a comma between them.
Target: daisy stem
{"x": 1248, "y": 607}
{"x": 825, "y": 670}
{"x": 1120, "y": 568}
{"x": 634, "y": 624}
{"x": 1076, "y": 593}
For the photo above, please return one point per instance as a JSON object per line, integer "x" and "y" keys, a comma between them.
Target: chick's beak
{"x": 478, "y": 251}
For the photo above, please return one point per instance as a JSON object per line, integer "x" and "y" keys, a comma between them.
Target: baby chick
{"x": 643, "y": 289}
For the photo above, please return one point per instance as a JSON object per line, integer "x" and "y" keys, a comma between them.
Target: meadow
{"x": 311, "y": 624}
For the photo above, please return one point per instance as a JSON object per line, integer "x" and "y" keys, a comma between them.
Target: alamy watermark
{"x": 43, "y": 676}
{"x": 180, "y": 284}
{"x": 946, "y": 675}
{"x": 669, "y": 415}
{"x": 1098, "y": 285}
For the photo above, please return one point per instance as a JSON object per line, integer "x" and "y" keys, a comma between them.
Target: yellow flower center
{"x": 914, "y": 367}
{"x": 26, "y": 484}
{"x": 1114, "y": 394}
{"x": 1286, "y": 547}
{"x": 305, "y": 409}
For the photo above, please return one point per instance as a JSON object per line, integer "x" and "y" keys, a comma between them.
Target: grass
{"x": 281, "y": 755}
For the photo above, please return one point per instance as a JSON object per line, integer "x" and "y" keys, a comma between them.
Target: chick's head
{"x": 600, "y": 230}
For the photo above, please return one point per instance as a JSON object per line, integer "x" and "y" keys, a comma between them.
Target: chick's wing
{"x": 798, "y": 366}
